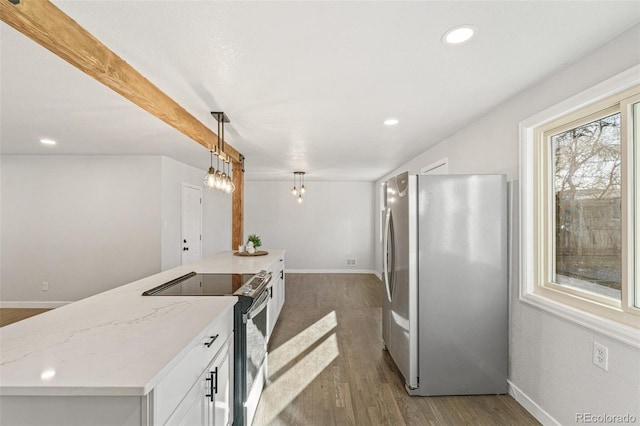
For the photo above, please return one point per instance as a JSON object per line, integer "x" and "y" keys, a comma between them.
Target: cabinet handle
{"x": 213, "y": 339}
{"x": 281, "y": 274}
{"x": 213, "y": 388}
{"x": 215, "y": 383}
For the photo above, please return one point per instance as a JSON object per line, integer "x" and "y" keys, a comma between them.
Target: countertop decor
{"x": 257, "y": 253}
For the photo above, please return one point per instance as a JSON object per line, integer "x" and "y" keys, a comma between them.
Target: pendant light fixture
{"x": 210, "y": 178}
{"x": 218, "y": 178}
{"x": 230, "y": 185}
{"x": 298, "y": 179}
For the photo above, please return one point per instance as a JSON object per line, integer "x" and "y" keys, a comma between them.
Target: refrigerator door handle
{"x": 385, "y": 250}
{"x": 388, "y": 255}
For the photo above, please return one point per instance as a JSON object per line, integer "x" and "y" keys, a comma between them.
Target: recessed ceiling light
{"x": 390, "y": 122}
{"x": 458, "y": 35}
{"x": 48, "y": 141}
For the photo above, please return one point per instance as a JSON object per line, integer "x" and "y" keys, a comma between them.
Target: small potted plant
{"x": 254, "y": 241}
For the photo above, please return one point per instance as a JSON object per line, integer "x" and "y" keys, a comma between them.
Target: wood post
{"x": 237, "y": 206}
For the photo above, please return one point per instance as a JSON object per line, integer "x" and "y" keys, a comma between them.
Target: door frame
{"x": 182, "y": 188}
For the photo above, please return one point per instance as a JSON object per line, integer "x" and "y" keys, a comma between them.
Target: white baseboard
{"x": 32, "y": 305}
{"x": 378, "y": 274}
{"x": 329, "y": 271}
{"x": 531, "y": 406}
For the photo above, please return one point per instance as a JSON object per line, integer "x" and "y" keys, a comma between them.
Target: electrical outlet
{"x": 601, "y": 356}
{"x": 45, "y": 285}
{"x": 351, "y": 262}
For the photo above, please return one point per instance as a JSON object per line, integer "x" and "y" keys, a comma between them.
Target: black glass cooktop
{"x": 193, "y": 284}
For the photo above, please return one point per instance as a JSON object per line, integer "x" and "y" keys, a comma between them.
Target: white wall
{"x": 87, "y": 224}
{"x": 334, "y": 222}
{"x": 84, "y": 224}
{"x": 550, "y": 358}
{"x": 216, "y": 213}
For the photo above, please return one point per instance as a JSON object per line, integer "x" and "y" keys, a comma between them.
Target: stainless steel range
{"x": 250, "y": 326}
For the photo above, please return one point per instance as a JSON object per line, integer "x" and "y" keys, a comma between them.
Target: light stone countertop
{"x": 116, "y": 342}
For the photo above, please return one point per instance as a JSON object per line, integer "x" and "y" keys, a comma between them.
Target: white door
{"x": 191, "y": 243}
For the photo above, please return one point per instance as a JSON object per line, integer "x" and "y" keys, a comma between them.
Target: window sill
{"x": 615, "y": 330}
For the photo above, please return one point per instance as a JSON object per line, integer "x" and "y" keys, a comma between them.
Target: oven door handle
{"x": 260, "y": 305}
{"x": 267, "y": 279}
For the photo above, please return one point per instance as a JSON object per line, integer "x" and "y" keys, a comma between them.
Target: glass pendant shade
{"x": 299, "y": 198}
{"x": 209, "y": 179}
{"x": 294, "y": 191}
{"x": 230, "y": 186}
{"x": 223, "y": 182}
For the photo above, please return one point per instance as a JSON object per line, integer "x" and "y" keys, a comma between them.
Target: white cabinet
{"x": 209, "y": 401}
{"x": 182, "y": 397}
{"x": 281, "y": 291}
{"x": 199, "y": 390}
{"x": 223, "y": 392}
{"x": 277, "y": 291}
{"x": 193, "y": 410}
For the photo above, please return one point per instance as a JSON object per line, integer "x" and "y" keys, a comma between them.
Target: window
{"x": 586, "y": 216}
{"x": 579, "y": 204}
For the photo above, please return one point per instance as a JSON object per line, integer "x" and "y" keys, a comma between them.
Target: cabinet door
{"x": 272, "y": 310}
{"x": 210, "y": 401}
{"x": 223, "y": 392}
{"x": 194, "y": 410}
{"x": 179, "y": 381}
{"x": 281, "y": 291}
{"x": 197, "y": 415}
{"x": 281, "y": 287}
{"x": 277, "y": 296}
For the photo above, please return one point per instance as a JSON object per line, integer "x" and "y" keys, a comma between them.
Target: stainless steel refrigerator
{"x": 445, "y": 302}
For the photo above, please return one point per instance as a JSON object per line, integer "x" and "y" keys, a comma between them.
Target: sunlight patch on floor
{"x": 293, "y": 376}
{"x": 301, "y": 342}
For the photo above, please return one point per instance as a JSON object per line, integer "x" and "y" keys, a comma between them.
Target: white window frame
{"x": 625, "y": 328}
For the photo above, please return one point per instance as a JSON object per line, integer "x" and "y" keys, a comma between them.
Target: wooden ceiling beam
{"x": 50, "y": 27}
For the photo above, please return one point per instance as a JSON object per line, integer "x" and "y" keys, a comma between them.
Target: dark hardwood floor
{"x": 327, "y": 365}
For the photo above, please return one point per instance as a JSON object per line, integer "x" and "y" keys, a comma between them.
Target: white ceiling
{"x": 305, "y": 84}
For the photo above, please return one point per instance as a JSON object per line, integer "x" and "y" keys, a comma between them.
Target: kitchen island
{"x": 119, "y": 357}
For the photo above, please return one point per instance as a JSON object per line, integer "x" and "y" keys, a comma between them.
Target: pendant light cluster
{"x": 298, "y": 179}
{"x": 220, "y": 179}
